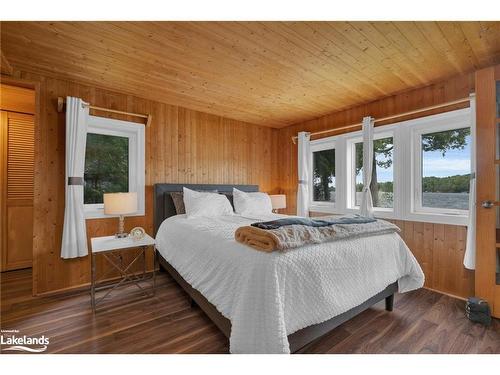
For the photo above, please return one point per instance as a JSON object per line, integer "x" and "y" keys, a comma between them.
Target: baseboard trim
{"x": 446, "y": 294}
{"x": 86, "y": 287}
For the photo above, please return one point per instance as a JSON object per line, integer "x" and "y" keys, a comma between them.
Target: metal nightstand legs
{"x": 127, "y": 276}
{"x": 92, "y": 283}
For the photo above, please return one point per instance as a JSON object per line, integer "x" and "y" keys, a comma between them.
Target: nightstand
{"x": 111, "y": 248}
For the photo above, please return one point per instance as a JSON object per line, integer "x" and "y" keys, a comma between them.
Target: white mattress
{"x": 268, "y": 296}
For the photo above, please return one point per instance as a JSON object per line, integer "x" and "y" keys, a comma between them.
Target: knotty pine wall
{"x": 182, "y": 145}
{"x": 438, "y": 248}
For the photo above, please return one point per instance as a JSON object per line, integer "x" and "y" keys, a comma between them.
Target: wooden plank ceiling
{"x": 268, "y": 73}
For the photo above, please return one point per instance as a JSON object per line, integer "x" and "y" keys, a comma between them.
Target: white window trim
{"x": 315, "y": 146}
{"x": 404, "y": 162}
{"x": 432, "y": 124}
{"x": 136, "y": 135}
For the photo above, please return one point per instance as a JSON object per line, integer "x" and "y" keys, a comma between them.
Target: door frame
{"x": 36, "y": 86}
{"x": 3, "y": 196}
{"x": 487, "y": 187}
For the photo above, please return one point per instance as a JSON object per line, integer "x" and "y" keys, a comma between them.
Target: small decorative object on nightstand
{"x": 137, "y": 233}
{"x": 120, "y": 204}
{"x": 111, "y": 249}
{"x": 278, "y": 201}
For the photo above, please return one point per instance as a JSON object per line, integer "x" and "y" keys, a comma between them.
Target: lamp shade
{"x": 278, "y": 201}
{"x": 120, "y": 203}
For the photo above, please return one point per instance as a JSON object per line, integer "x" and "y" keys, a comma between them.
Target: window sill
{"x": 381, "y": 213}
{"x": 438, "y": 218}
{"x": 434, "y": 218}
{"x": 327, "y": 208}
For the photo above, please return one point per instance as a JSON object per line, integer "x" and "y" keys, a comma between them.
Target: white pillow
{"x": 251, "y": 203}
{"x": 206, "y": 204}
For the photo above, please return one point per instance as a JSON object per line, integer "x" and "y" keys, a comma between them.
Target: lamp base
{"x": 121, "y": 233}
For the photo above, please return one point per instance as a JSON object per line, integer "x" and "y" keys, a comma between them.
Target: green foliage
{"x": 382, "y": 157}
{"x": 106, "y": 166}
{"x": 445, "y": 140}
{"x": 440, "y": 141}
{"x": 324, "y": 173}
{"x": 386, "y": 187}
{"x": 324, "y": 166}
{"x": 451, "y": 184}
{"x": 381, "y": 147}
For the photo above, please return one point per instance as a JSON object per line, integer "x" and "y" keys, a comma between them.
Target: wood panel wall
{"x": 440, "y": 251}
{"x": 17, "y": 99}
{"x": 182, "y": 145}
{"x": 439, "y": 248}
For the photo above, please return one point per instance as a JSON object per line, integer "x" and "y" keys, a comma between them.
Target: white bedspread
{"x": 268, "y": 296}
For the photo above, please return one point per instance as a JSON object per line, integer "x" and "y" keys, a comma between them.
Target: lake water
{"x": 457, "y": 201}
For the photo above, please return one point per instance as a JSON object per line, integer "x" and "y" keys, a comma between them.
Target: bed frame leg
{"x": 389, "y": 302}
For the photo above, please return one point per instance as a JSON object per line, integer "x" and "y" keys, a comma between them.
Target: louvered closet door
{"x": 17, "y": 176}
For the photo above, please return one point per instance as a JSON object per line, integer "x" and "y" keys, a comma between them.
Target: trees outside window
{"x": 382, "y": 182}
{"x": 106, "y": 166}
{"x": 324, "y": 176}
{"x": 446, "y": 169}
{"x": 421, "y": 170}
{"x": 114, "y": 162}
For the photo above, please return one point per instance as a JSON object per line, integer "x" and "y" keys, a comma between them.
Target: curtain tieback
{"x": 302, "y": 182}
{"x": 75, "y": 180}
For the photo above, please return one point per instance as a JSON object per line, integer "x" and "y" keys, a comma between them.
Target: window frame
{"x": 316, "y": 146}
{"x": 385, "y": 132}
{"x": 433, "y": 124}
{"x": 135, "y": 133}
{"x": 403, "y": 134}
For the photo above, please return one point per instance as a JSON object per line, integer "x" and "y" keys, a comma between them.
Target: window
{"x": 422, "y": 170}
{"x": 106, "y": 166}
{"x": 382, "y": 183}
{"x": 324, "y": 175}
{"x": 114, "y": 162}
{"x": 444, "y": 171}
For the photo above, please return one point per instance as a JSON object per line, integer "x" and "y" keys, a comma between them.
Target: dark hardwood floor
{"x": 422, "y": 322}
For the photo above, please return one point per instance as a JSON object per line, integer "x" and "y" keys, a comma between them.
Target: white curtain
{"x": 74, "y": 238}
{"x": 366, "y": 199}
{"x": 470, "y": 246}
{"x": 304, "y": 174}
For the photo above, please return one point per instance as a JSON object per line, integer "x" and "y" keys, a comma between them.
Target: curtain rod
{"x": 425, "y": 109}
{"x": 61, "y": 102}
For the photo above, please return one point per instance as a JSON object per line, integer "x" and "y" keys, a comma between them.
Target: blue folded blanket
{"x": 275, "y": 224}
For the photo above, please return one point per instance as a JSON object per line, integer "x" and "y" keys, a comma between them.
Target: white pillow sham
{"x": 251, "y": 203}
{"x": 206, "y": 204}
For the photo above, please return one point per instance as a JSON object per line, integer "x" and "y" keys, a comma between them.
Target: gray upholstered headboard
{"x": 163, "y": 204}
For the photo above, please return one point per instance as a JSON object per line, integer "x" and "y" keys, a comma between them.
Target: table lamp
{"x": 120, "y": 204}
{"x": 278, "y": 201}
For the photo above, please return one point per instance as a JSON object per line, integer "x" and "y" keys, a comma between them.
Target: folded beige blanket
{"x": 259, "y": 239}
{"x": 293, "y": 236}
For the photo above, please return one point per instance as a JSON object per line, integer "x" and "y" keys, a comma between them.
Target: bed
{"x": 278, "y": 302}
